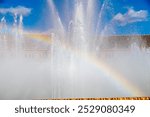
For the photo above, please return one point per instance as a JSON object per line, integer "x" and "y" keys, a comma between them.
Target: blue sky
{"x": 124, "y": 13}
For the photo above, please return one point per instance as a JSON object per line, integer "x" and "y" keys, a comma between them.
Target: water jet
{"x": 78, "y": 60}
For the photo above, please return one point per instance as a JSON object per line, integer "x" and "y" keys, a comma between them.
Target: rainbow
{"x": 105, "y": 68}
{"x": 38, "y": 36}
{"x": 115, "y": 76}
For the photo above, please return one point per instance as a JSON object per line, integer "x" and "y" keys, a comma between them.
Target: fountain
{"x": 77, "y": 59}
